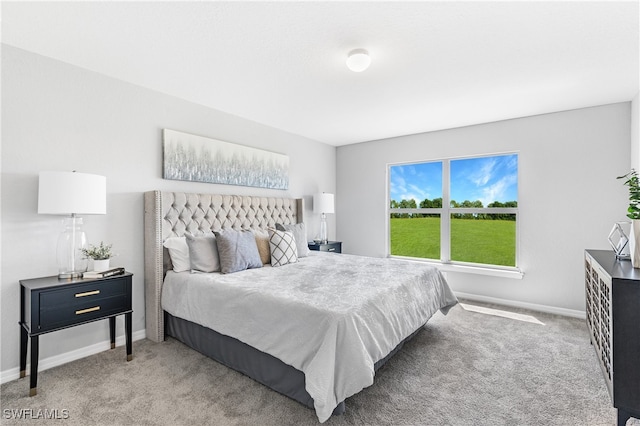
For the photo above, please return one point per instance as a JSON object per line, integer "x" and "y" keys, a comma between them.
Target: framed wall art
{"x": 200, "y": 159}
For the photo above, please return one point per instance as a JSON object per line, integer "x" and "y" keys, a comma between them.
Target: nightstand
{"x": 332, "y": 246}
{"x": 50, "y": 304}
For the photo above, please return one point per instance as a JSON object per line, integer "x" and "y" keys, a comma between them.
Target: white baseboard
{"x": 56, "y": 360}
{"x": 532, "y": 306}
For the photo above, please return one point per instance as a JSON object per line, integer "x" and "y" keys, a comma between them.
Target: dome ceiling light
{"x": 358, "y": 60}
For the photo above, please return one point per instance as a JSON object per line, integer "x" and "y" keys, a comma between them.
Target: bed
{"x": 315, "y": 329}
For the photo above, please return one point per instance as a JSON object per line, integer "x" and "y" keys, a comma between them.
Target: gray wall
{"x": 569, "y": 197}
{"x": 59, "y": 117}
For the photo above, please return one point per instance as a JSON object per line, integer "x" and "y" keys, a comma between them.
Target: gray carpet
{"x": 466, "y": 368}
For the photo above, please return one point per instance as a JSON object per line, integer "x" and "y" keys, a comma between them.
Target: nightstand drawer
{"x": 330, "y": 246}
{"x": 82, "y": 293}
{"x": 85, "y": 311}
{"x": 66, "y": 305}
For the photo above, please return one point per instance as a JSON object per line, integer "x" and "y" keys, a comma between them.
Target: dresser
{"x": 50, "y": 304}
{"x": 612, "y": 290}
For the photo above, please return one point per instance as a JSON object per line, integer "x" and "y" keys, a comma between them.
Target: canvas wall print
{"x": 200, "y": 159}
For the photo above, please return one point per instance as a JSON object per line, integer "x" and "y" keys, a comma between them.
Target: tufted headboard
{"x": 173, "y": 214}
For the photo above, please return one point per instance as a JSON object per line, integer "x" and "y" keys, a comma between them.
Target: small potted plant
{"x": 633, "y": 213}
{"x": 99, "y": 254}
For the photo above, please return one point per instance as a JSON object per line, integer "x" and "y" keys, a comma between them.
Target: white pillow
{"x": 283, "y": 247}
{"x": 179, "y": 252}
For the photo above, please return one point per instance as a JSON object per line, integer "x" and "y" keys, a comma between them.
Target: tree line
{"x": 436, "y": 203}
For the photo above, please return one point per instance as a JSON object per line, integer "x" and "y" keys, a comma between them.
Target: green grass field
{"x": 490, "y": 242}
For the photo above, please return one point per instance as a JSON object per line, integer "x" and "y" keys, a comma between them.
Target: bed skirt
{"x": 258, "y": 365}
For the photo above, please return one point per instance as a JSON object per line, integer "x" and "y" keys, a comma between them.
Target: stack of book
{"x": 103, "y": 274}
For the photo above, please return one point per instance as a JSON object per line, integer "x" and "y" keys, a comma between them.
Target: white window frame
{"x": 445, "y": 263}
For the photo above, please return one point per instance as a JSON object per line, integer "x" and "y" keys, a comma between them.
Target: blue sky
{"x": 487, "y": 179}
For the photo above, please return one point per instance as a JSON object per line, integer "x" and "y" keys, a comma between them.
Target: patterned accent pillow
{"x": 283, "y": 247}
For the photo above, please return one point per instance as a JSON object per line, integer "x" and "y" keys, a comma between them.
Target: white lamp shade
{"x": 72, "y": 193}
{"x": 358, "y": 60}
{"x": 323, "y": 203}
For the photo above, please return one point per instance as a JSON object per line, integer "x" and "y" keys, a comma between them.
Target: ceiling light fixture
{"x": 358, "y": 60}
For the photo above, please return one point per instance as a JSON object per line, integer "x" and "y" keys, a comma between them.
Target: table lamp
{"x": 71, "y": 193}
{"x": 323, "y": 204}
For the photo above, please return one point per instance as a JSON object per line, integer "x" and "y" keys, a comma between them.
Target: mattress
{"x": 330, "y": 316}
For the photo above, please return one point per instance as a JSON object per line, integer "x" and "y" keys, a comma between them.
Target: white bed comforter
{"x": 330, "y": 316}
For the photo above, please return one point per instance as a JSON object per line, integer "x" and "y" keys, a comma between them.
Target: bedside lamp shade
{"x": 323, "y": 203}
{"x": 71, "y": 193}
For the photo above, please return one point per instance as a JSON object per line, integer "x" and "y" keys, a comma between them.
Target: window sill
{"x": 514, "y": 273}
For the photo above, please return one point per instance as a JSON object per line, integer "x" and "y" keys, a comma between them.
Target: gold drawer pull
{"x": 86, "y": 311}
{"x": 88, "y": 293}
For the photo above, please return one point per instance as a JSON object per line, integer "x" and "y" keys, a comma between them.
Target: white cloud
{"x": 497, "y": 190}
{"x": 398, "y": 187}
{"x": 421, "y": 192}
{"x": 484, "y": 174}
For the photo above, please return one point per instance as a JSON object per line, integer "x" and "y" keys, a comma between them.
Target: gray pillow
{"x": 299, "y": 232}
{"x": 238, "y": 251}
{"x": 203, "y": 252}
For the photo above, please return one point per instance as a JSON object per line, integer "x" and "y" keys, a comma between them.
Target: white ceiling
{"x": 435, "y": 65}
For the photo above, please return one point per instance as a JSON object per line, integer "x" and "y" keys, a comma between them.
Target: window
{"x": 456, "y": 210}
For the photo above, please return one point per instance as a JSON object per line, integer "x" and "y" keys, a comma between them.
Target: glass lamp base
{"x": 323, "y": 229}
{"x": 71, "y": 263}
